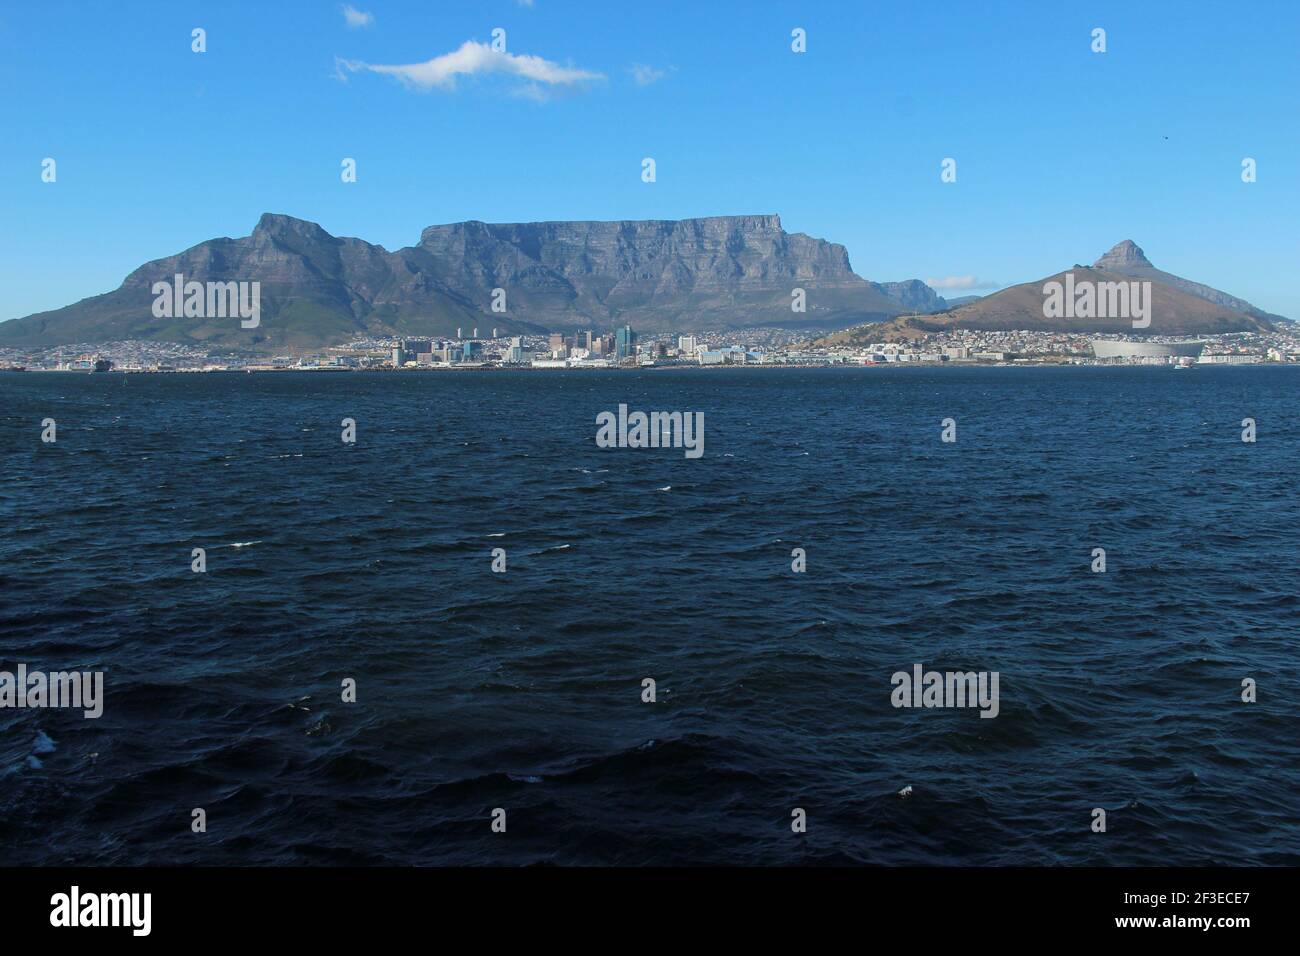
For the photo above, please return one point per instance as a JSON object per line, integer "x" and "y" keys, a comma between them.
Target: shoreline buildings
{"x": 625, "y": 348}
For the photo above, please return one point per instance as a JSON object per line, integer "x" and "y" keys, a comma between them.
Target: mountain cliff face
{"x": 655, "y": 275}
{"x": 317, "y": 289}
{"x": 915, "y": 296}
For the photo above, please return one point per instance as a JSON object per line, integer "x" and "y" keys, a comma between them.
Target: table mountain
{"x": 318, "y": 289}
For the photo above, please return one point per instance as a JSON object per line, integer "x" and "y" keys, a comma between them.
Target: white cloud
{"x": 961, "y": 282}
{"x": 472, "y": 59}
{"x": 357, "y": 18}
{"x": 645, "y": 75}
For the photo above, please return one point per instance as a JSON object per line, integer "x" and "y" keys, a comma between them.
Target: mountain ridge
{"x": 1178, "y": 306}
{"x": 657, "y": 275}
{"x": 1127, "y": 258}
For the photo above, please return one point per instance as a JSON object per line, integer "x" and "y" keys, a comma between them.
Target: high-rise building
{"x": 686, "y": 345}
{"x": 624, "y": 342}
{"x": 399, "y": 356}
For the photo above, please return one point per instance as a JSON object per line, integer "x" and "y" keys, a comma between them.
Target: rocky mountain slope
{"x": 1178, "y": 307}
{"x": 1127, "y": 258}
{"x": 317, "y": 289}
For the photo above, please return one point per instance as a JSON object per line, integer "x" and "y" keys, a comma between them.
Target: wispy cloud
{"x": 961, "y": 282}
{"x": 357, "y": 18}
{"x": 644, "y": 75}
{"x": 473, "y": 59}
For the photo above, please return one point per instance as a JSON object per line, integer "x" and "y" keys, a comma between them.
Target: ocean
{"x": 522, "y": 690}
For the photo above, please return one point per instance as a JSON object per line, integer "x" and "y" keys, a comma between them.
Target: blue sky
{"x": 1061, "y": 152}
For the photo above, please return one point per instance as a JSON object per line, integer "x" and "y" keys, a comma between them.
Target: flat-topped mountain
{"x": 1176, "y": 306}
{"x": 657, "y": 275}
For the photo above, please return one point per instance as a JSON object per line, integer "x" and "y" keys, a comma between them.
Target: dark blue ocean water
{"x": 522, "y": 690}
